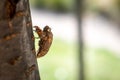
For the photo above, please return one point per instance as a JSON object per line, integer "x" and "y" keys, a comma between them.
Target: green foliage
{"x": 56, "y": 5}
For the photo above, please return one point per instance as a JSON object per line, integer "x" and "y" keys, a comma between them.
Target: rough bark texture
{"x": 17, "y": 58}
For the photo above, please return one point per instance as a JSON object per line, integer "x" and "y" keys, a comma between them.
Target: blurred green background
{"x": 54, "y": 5}
{"x": 62, "y": 61}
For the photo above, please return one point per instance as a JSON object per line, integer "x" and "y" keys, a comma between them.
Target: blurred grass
{"x": 61, "y": 62}
{"x": 102, "y": 64}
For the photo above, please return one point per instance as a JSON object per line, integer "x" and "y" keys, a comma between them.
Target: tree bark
{"x": 17, "y": 55}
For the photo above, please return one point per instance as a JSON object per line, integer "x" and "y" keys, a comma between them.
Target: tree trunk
{"x": 17, "y": 55}
{"x": 79, "y": 13}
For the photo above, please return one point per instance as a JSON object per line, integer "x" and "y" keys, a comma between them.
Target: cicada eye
{"x": 49, "y": 30}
